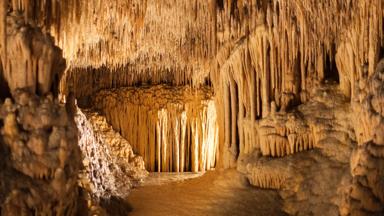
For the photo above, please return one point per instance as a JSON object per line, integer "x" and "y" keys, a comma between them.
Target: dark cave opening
{"x": 331, "y": 73}
{"x": 5, "y": 91}
{"x": 220, "y": 4}
{"x": 381, "y": 53}
{"x": 235, "y": 111}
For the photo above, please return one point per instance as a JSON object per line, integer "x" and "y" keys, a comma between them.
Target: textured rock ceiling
{"x": 178, "y": 40}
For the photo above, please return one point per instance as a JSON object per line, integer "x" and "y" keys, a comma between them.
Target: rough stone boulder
{"x": 40, "y": 157}
{"x": 365, "y": 194}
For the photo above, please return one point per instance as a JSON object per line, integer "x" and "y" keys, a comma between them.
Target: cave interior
{"x": 202, "y": 107}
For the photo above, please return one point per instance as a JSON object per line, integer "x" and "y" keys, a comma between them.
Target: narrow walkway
{"x": 214, "y": 193}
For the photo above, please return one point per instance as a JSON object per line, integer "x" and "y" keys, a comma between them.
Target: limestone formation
{"x": 30, "y": 59}
{"x": 356, "y": 173}
{"x": 110, "y": 166}
{"x": 174, "y": 129}
{"x": 365, "y": 195}
{"x": 288, "y": 92}
{"x": 40, "y": 157}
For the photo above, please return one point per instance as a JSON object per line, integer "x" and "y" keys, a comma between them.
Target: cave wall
{"x": 280, "y": 56}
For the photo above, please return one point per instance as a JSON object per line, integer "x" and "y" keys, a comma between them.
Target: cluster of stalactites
{"x": 284, "y": 55}
{"x": 167, "y": 35}
{"x": 272, "y": 55}
{"x": 288, "y": 42}
{"x": 174, "y": 129}
{"x": 84, "y": 82}
{"x": 29, "y": 58}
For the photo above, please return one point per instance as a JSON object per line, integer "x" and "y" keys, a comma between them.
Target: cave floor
{"x": 214, "y": 193}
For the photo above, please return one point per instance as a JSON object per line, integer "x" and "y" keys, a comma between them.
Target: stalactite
{"x": 176, "y": 37}
{"x": 280, "y": 136}
{"x": 290, "y": 42}
{"x": 280, "y": 57}
{"x": 3, "y": 28}
{"x": 174, "y": 129}
{"x": 31, "y": 60}
{"x": 234, "y": 113}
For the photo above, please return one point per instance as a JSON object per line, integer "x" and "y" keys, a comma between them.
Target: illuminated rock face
{"x": 365, "y": 194}
{"x": 262, "y": 57}
{"x": 173, "y": 128}
{"x": 345, "y": 138}
{"x": 110, "y": 166}
{"x": 40, "y": 157}
{"x": 297, "y": 96}
{"x": 299, "y": 151}
{"x": 30, "y": 59}
{"x": 39, "y": 151}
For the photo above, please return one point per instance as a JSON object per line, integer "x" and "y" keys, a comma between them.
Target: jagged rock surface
{"x": 40, "y": 157}
{"x": 354, "y": 171}
{"x": 173, "y": 128}
{"x": 313, "y": 143}
{"x": 365, "y": 194}
{"x": 323, "y": 123}
{"x": 39, "y": 137}
{"x": 110, "y": 166}
{"x": 30, "y": 59}
{"x": 308, "y": 182}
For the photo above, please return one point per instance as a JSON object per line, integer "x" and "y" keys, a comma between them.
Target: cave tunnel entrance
{"x": 173, "y": 129}
{"x": 331, "y": 73}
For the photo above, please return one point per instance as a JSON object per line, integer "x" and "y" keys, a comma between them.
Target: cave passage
{"x": 174, "y": 129}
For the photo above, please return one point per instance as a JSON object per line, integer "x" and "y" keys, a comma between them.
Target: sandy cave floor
{"x": 214, "y": 193}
